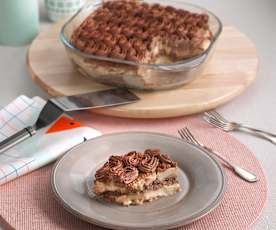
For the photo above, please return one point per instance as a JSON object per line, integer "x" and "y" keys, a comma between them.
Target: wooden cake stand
{"x": 232, "y": 69}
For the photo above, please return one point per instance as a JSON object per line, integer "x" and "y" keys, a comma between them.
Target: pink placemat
{"x": 28, "y": 203}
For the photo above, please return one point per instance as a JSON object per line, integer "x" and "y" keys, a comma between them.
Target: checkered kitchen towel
{"x": 46, "y": 146}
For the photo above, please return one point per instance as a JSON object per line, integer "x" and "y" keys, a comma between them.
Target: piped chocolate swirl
{"x": 137, "y": 31}
{"x": 132, "y": 159}
{"x": 130, "y": 173}
{"x": 103, "y": 173}
{"x": 129, "y": 167}
{"x": 148, "y": 164}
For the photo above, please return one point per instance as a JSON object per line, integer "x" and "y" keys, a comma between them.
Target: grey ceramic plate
{"x": 201, "y": 177}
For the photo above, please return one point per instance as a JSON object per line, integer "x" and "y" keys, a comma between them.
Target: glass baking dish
{"x": 131, "y": 74}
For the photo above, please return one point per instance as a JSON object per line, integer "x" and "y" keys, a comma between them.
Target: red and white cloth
{"x": 46, "y": 146}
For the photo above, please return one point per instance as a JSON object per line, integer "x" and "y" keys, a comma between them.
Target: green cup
{"x": 19, "y": 21}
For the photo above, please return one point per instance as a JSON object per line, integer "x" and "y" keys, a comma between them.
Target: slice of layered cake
{"x": 136, "y": 177}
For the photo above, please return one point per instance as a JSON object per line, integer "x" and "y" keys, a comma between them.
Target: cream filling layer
{"x": 138, "y": 184}
{"x": 150, "y": 195}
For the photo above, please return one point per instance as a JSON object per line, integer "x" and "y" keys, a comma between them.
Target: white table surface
{"x": 257, "y": 106}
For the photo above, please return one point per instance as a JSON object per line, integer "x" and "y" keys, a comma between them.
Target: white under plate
{"x": 200, "y": 175}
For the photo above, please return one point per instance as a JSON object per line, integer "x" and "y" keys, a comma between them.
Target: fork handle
{"x": 226, "y": 162}
{"x": 241, "y": 172}
{"x": 259, "y": 133}
{"x": 16, "y": 138}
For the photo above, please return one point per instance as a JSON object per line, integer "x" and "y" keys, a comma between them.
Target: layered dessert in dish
{"x": 141, "y": 45}
{"x": 136, "y": 177}
{"x": 140, "y": 32}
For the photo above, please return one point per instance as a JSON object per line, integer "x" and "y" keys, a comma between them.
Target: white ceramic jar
{"x": 59, "y": 9}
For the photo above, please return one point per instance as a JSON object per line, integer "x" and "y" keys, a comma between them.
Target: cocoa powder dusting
{"x": 127, "y": 168}
{"x": 125, "y": 29}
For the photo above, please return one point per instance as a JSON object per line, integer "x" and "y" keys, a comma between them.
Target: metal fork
{"x": 215, "y": 119}
{"x": 186, "y": 134}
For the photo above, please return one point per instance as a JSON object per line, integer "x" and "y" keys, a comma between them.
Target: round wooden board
{"x": 231, "y": 70}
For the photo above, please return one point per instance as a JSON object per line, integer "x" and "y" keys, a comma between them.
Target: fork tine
{"x": 216, "y": 115}
{"x": 185, "y": 136}
{"x": 191, "y": 136}
{"x": 211, "y": 116}
{"x": 216, "y": 123}
{"x": 180, "y": 133}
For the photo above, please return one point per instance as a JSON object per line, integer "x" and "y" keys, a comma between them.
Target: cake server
{"x": 58, "y": 105}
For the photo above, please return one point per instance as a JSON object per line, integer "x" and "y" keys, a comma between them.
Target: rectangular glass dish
{"x": 130, "y": 74}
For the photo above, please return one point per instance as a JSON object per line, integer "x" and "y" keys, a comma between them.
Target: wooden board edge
{"x": 37, "y": 80}
{"x": 177, "y": 112}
